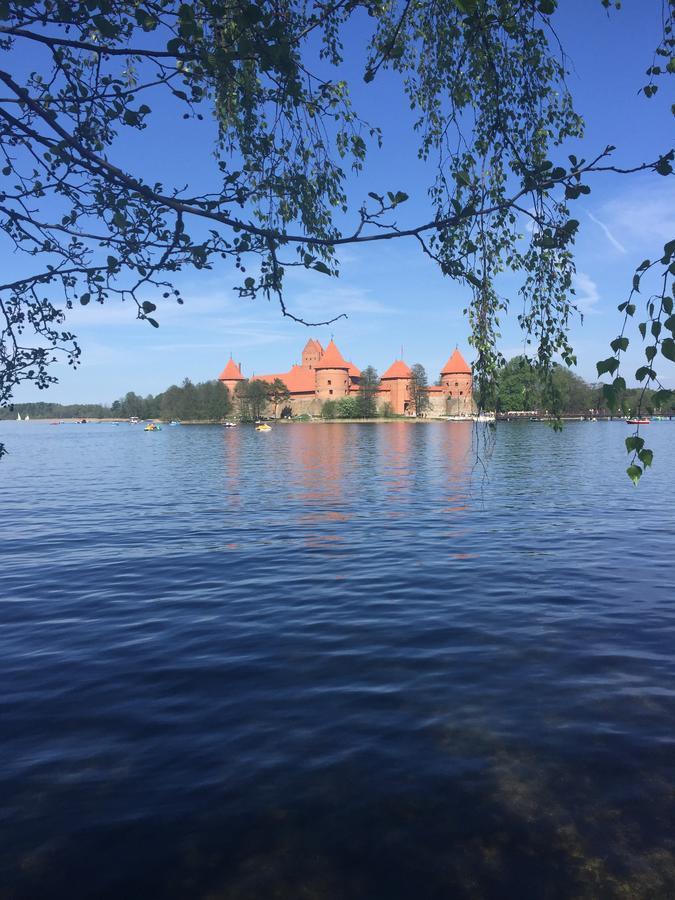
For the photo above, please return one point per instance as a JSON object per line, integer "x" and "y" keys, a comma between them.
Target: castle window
{"x": 451, "y": 393}
{"x": 457, "y": 384}
{"x": 330, "y": 392}
{"x": 330, "y": 382}
{"x": 460, "y": 393}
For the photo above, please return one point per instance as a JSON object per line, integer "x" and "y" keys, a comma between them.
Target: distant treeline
{"x": 56, "y": 411}
{"x": 519, "y": 387}
{"x": 208, "y": 400}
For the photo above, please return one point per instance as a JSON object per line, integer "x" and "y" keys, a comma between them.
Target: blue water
{"x": 336, "y": 661}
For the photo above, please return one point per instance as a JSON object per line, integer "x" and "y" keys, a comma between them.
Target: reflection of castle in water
{"x": 325, "y": 375}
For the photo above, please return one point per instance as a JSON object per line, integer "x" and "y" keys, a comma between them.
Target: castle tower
{"x": 332, "y": 374}
{"x": 231, "y": 375}
{"x": 457, "y": 381}
{"x": 396, "y": 380}
{"x": 311, "y": 354}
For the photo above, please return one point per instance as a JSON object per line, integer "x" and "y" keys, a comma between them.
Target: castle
{"x": 326, "y": 375}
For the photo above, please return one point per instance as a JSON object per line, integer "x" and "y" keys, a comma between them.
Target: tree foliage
{"x": 251, "y": 398}
{"x": 205, "y": 401}
{"x": 486, "y": 80}
{"x": 367, "y": 399}
{"x": 419, "y": 394}
{"x": 277, "y": 393}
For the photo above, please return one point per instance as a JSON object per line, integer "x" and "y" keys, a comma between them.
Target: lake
{"x": 345, "y": 662}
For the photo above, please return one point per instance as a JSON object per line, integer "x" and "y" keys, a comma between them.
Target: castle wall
{"x": 397, "y": 395}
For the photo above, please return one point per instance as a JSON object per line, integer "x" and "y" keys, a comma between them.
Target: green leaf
{"x": 646, "y": 457}
{"x": 670, "y": 324}
{"x": 607, "y": 365}
{"x": 112, "y": 262}
{"x": 644, "y": 372}
{"x": 668, "y": 349}
{"x": 105, "y": 26}
{"x": 153, "y": 322}
{"x": 634, "y": 443}
{"x": 547, "y": 7}
{"x": 620, "y": 343}
{"x": 148, "y": 307}
{"x": 619, "y": 383}
{"x": 84, "y": 299}
{"x": 321, "y": 267}
{"x": 643, "y": 329}
{"x": 634, "y": 473}
{"x": 248, "y": 283}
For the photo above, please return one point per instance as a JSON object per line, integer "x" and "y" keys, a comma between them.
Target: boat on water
{"x": 152, "y": 427}
{"x": 173, "y": 422}
{"x": 18, "y": 417}
{"x": 642, "y": 421}
{"x": 263, "y": 427}
{"x": 459, "y": 418}
{"x": 485, "y": 417}
{"x": 229, "y": 424}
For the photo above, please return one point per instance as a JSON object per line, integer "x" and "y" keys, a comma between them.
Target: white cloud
{"x": 335, "y": 299}
{"x": 643, "y": 217}
{"x": 587, "y": 294}
{"x": 608, "y": 234}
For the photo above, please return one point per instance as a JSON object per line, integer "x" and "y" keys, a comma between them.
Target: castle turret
{"x": 311, "y": 354}
{"x": 332, "y": 374}
{"x": 231, "y": 375}
{"x": 457, "y": 382}
{"x": 396, "y": 380}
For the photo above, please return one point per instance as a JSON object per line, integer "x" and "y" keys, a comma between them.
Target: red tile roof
{"x": 332, "y": 359}
{"x": 298, "y": 380}
{"x": 353, "y": 371}
{"x": 398, "y": 369}
{"x": 456, "y": 365}
{"x": 312, "y": 344}
{"x": 231, "y": 372}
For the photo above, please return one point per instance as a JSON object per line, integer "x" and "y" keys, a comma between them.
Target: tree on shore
{"x": 486, "y": 80}
{"x": 348, "y": 408}
{"x": 277, "y": 393}
{"x": 419, "y": 395}
{"x": 251, "y": 398}
{"x": 367, "y": 398}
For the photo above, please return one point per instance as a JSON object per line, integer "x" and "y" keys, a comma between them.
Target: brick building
{"x": 326, "y": 375}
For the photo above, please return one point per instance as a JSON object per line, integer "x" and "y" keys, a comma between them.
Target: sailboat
{"x": 18, "y": 417}
{"x": 27, "y": 418}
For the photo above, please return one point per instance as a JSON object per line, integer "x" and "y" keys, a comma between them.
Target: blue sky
{"x": 393, "y": 296}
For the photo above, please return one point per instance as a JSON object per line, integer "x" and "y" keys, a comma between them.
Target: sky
{"x": 396, "y": 301}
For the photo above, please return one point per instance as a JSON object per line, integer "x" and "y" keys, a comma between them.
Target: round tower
{"x": 332, "y": 374}
{"x": 231, "y": 375}
{"x": 396, "y": 380}
{"x": 457, "y": 382}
